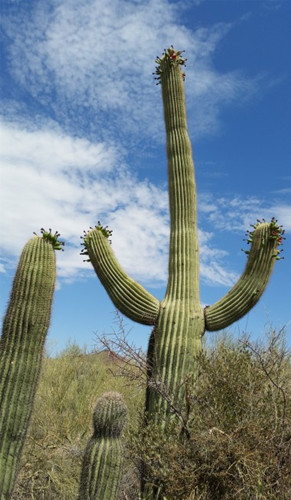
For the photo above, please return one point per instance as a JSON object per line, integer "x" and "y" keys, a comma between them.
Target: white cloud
{"x": 89, "y": 63}
{"x": 72, "y": 198}
{"x": 54, "y": 150}
{"x": 283, "y": 213}
{"x": 58, "y": 189}
{"x": 211, "y": 262}
{"x": 216, "y": 274}
{"x": 51, "y": 179}
{"x": 237, "y": 213}
{"x": 85, "y": 69}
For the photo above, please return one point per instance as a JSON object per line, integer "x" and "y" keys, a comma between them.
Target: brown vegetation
{"x": 238, "y": 439}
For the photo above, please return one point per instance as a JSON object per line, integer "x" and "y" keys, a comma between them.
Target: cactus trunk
{"x": 21, "y": 349}
{"x": 176, "y": 339}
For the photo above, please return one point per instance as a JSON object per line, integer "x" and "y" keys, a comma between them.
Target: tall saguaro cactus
{"x": 21, "y": 349}
{"x": 179, "y": 320}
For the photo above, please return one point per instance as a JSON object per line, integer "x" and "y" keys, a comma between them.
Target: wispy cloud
{"x": 55, "y": 180}
{"x": 51, "y": 178}
{"x": 237, "y": 213}
{"x": 90, "y": 184}
{"x": 83, "y": 91}
{"x": 89, "y": 64}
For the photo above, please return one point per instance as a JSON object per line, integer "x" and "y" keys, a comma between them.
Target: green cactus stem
{"x": 21, "y": 348}
{"x": 262, "y": 255}
{"x": 127, "y": 295}
{"x": 103, "y": 457}
{"x": 179, "y": 320}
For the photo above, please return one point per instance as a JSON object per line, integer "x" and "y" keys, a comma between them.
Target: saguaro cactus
{"x": 21, "y": 348}
{"x": 103, "y": 457}
{"x": 179, "y": 320}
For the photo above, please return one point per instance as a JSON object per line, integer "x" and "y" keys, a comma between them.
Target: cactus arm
{"x": 252, "y": 283}
{"x": 127, "y": 295}
{"x": 21, "y": 348}
{"x": 103, "y": 457}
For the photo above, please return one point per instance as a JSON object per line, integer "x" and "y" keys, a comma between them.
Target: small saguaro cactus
{"x": 179, "y": 320}
{"x": 21, "y": 349}
{"x": 103, "y": 457}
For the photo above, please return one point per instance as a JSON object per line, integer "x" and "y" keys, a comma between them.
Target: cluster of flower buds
{"x": 104, "y": 230}
{"x": 84, "y": 244}
{"x": 86, "y": 238}
{"x": 276, "y": 233}
{"x": 169, "y": 57}
{"x": 53, "y": 238}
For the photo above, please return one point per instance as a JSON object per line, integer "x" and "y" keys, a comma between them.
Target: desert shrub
{"x": 239, "y": 441}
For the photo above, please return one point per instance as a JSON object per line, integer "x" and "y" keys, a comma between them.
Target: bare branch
{"x": 132, "y": 365}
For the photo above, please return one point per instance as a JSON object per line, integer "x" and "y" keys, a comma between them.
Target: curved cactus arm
{"x": 21, "y": 349}
{"x": 103, "y": 457}
{"x": 127, "y": 295}
{"x": 247, "y": 291}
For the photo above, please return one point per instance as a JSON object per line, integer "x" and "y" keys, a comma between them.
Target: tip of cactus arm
{"x": 53, "y": 238}
{"x": 104, "y": 230}
{"x": 276, "y": 233}
{"x": 168, "y": 59}
{"x": 99, "y": 227}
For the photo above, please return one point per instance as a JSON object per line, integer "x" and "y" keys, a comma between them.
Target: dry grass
{"x": 61, "y": 422}
{"x": 239, "y": 426}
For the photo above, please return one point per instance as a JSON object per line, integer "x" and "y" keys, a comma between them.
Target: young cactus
{"x": 179, "y": 320}
{"x": 103, "y": 457}
{"x": 21, "y": 348}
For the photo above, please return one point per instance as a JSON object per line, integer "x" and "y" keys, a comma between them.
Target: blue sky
{"x": 82, "y": 140}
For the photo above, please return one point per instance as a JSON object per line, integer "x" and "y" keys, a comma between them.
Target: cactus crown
{"x": 104, "y": 229}
{"x": 87, "y": 237}
{"x": 276, "y": 234}
{"x": 52, "y": 238}
{"x": 276, "y": 231}
{"x": 169, "y": 58}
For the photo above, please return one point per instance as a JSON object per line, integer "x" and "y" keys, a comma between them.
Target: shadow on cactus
{"x": 179, "y": 320}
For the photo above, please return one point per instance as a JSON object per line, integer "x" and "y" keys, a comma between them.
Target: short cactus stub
{"x": 103, "y": 457}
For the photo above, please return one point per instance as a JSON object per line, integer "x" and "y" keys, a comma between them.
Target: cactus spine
{"x": 21, "y": 348}
{"x": 103, "y": 457}
{"x": 179, "y": 320}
